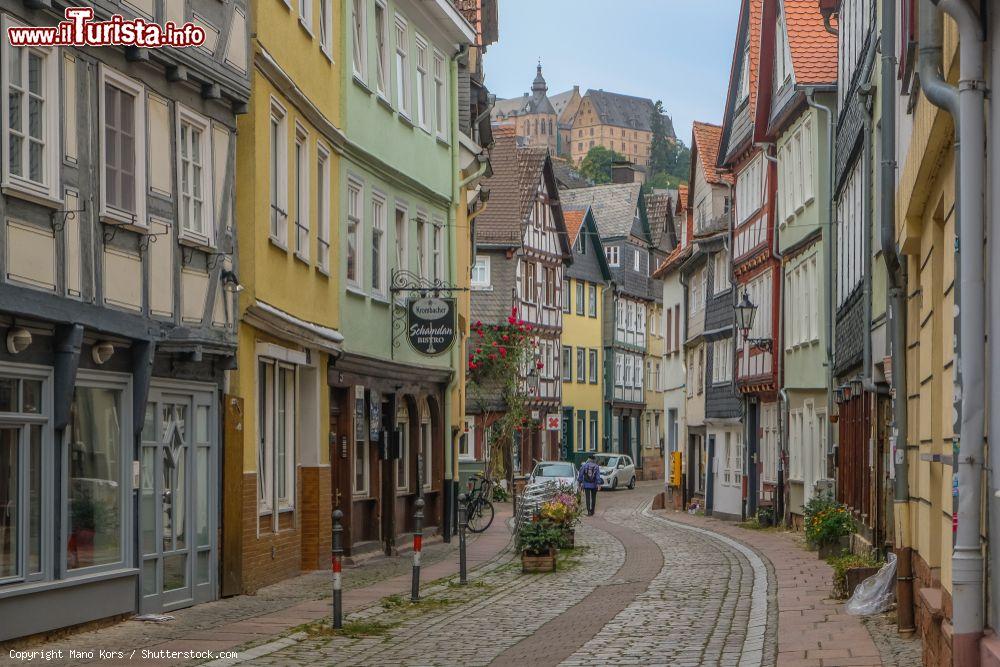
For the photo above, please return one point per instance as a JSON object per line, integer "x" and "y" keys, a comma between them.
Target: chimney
{"x": 576, "y": 89}
{"x": 622, "y": 171}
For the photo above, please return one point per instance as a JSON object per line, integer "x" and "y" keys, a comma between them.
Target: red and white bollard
{"x": 338, "y": 610}
{"x": 418, "y": 539}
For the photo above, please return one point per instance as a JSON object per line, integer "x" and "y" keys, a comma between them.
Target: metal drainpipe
{"x": 994, "y": 314}
{"x": 865, "y": 93}
{"x": 967, "y": 559}
{"x": 896, "y": 271}
{"x": 828, "y": 242}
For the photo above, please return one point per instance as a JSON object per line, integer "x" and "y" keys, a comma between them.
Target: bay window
{"x": 30, "y": 118}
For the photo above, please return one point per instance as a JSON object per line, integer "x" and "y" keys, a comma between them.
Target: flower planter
{"x": 834, "y": 548}
{"x": 535, "y": 563}
{"x": 569, "y": 539}
{"x": 856, "y": 575}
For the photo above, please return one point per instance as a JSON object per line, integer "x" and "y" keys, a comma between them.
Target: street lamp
{"x": 745, "y": 313}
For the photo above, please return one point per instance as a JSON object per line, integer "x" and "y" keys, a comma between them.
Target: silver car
{"x": 617, "y": 470}
{"x": 561, "y": 472}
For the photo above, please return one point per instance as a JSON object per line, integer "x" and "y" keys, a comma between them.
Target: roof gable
{"x": 746, "y": 48}
{"x": 705, "y": 141}
{"x": 614, "y": 206}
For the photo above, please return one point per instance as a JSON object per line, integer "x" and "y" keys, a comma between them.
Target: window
{"x": 301, "y": 194}
{"x": 421, "y": 88}
{"x": 403, "y": 462}
{"x": 437, "y": 251}
{"x": 426, "y": 451}
{"x": 592, "y": 300}
{"x": 194, "y": 175}
{"x": 720, "y": 279}
{"x": 402, "y": 68}
{"x": 305, "y": 13}
{"x": 467, "y": 445}
{"x": 326, "y": 27}
{"x": 276, "y": 435}
{"x": 581, "y": 430}
{"x": 402, "y": 250}
{"x": 441, "y": 108}
{"x": 783, "y": 57}
{"x": 481, "y": 272}
{"x": 323, "y": 208}
{"x": 593, "y": 430}
{"x": 668, "y": 345}
{"x": 24, "y": 461}
{"x": 612, "y": 254}
{"x": 581, "y": 365}
{"x": 567, "y": 364}
{"x": 530, "y": 289}
{"x": 566, "y": 305}
{"x": 378, "y": 245}
{"x": 279, "y": 174}
{"x": 359, "y": 43}
{"x": 422, "y": 247}
{"x": 381, "y": 48}
{"x": 722, "y": 361}
{"x": 353, "y": 261}
{"x": 592, "y": 354}
{"x": 123, "y": 148}
{"x": 701, "y": 370}
{"x": 745, "y": 74}
{"x": 850, "y": 264}
{"x": 31, "y": 118}
{"x": 697, "y": 297}
{"x": 549, "y": 276}
{"x": 580, "y": 304}
{"x": 749, "y": 189}
{"x": 639, "y": 260}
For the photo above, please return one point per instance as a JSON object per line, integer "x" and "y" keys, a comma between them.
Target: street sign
{"x": 430, "y": 325}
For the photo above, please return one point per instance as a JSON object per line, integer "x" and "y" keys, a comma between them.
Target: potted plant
{"x": 564, "y": 511}
{"x": 828, "y": 524}
{"x": 538, "y": 541}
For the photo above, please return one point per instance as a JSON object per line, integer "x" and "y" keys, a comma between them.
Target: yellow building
{"x": 618, "y": 122}
{"x": 277, "y": 465}
{"x": 582, "y": 349}
{"x": 653, "y": 421}
{"x": 925, "y": 233}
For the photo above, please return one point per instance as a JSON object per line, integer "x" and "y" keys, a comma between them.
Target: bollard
{"x": 463, "y": 521}
{"x": 418, "y": 538}
{"x": 338, "y": 610}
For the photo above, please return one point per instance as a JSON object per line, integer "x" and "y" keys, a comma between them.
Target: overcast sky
{"x": 678, "y": 51}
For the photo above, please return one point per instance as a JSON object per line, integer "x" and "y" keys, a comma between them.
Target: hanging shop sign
{"x": 430, "y": 324}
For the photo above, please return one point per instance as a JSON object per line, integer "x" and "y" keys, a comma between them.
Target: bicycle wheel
{"x": 480, "y": 516}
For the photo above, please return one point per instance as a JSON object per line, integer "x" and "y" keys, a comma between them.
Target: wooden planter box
{"x": 835, "y": 549}
{"x": 856, "y": 575}
{"x": 533, "y": 564}
{"x": 569, "y": 539}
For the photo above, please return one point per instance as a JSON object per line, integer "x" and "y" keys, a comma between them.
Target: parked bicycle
{"x": 479, "y": 509}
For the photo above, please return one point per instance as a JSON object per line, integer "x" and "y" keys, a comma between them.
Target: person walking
{"x": 590, "y": 480}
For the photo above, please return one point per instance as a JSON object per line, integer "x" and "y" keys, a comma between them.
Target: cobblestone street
{"x": 642, "y": 587}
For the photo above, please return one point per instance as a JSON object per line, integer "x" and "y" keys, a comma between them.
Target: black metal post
{"x": 418, "y": 538}
{"x": 338, "y": 550}
{"x": 463, "y": 522}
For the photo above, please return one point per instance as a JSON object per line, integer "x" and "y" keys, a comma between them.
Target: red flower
{"x": 478, "y": 324}
{"x": 472, "y": 366}
{"x": 494, "y": 343}
{"x": 493, "y": 356}
{"x": 510, "y": 320}
{"x": 540, "y": 365}
{"x": 479, "y": 350}
{"x": 503, "y": 352}
{"x": 506, "y": 338}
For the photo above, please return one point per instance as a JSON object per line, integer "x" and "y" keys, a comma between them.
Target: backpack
{"x": 590, "y": 473}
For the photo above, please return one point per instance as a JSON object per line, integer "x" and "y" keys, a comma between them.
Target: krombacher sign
{"x": 430, "y": 325}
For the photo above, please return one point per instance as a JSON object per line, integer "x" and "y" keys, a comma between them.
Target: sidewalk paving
{"x": 813, "y": 629}
{"x": 229, "y": 623}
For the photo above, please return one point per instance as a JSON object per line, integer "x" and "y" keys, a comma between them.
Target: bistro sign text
{"x": 430, "y": 325}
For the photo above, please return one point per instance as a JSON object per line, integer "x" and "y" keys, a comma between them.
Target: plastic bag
{"x": 876, "y": 593}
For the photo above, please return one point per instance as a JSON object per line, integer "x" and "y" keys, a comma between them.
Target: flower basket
{"x": 533, "y": 563}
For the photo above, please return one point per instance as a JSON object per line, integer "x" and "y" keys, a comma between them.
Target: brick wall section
{"x": 316, "y": 520}
{"x": 269, "y": 557}
{"x": 932, "y": 615}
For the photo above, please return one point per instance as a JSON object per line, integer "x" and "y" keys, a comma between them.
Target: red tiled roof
{"x": 813, "y": 49}
{"x": 707, "y": 138}
{"x": 756, "y": 17}
{"x": 682, "y": 197}
{"x": 574, "y": 220}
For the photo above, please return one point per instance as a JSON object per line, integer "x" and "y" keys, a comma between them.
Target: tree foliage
{"x": 669, "y": 158}
{"x": 596, "y": 166}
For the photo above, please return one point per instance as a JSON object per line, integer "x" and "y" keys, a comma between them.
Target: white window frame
{"x": 303, "y": 222}
{"x": 423, "y": 262}
{"x": 326, "y": 28}
{"x": 322, "y": 207}
{"x": 278, "y": 175}
{"x": 186, "y": 116}
{"x": 378, "y": 243}
{"x": 612, "y": 254}
{"x": 52, "y": 154}
{"x": 305, "y": 15}
{"x": 482, "y": 265}
{"x": 470, "y": 441}
{"x": 566, "y": 363}
{"x": 437, "y": 250}
{"x": 112, "y": 77}
{"x": 420, "y": 88}
{"x": 442, "y": 109}
{"x": 356, "y": 218}
{"x": 750, "y": 189}
{"x": 401, "y": 237}
{"x": 720, "y": 281}
{"x": 403, "y": 426}
{"x": 359, "y": 40}
{"x": 402, "y": 65}
{"x": 273, "y": 370}
{"x": 382, "y": 70}
{"x": 722, "y": 361}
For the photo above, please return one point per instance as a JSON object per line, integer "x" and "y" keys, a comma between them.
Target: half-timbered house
{"x": 117, "y": 308}
{"x": 522, "y": 248}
